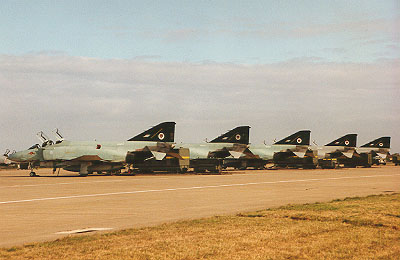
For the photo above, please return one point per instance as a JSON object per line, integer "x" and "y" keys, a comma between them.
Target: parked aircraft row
{"x": 154, "y": 149}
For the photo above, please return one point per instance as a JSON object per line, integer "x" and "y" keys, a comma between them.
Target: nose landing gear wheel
{"x": 32, "y": 174}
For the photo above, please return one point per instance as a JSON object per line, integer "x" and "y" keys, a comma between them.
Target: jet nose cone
{"x": 16, "y": 157}
{"x": 12, "y": 156}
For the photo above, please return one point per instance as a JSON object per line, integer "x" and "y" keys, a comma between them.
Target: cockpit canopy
{"x": 48, "y": 142}
{"x": 35, "y": 146}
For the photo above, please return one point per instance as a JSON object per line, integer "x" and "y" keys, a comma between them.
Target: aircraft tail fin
{"x": 163, "y": 132}
{"x": 349, "y": 140}
{"x": 382, "y": 142}
{"x": 238, "y": 135}
{"x": 299, "y": 138}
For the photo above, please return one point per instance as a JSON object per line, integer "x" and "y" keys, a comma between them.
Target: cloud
{"x": 115, "y": 99}
{"x": 335, "y": 50}
{"x": 48, "y": 52}
{"x": 364, "y": 27}
{"x": 184, "y": 34}
{"x": 148, "y": 57}
{"x": 361, "y": 29}
{"x": 393, "y": 47}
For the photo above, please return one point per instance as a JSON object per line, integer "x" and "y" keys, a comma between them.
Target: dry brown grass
{"x": 354, "y": 228}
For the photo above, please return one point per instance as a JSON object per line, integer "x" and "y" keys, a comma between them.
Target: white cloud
{"x": 115, "y": 99}
{"x": 359, "y": 29}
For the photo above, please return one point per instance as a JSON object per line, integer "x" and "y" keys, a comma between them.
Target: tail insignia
{"x": 349, "y": 140}
{"x": 162, "y": 132}
{"x": 299, "y": 138}
{"x": 382, "y": 142}
{"x": 239, "y": 135}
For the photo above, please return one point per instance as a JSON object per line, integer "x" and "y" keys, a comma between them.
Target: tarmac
{"x": 48, "y": 207}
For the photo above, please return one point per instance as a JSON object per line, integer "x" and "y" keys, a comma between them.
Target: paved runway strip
{"x": 186, "y": 188}
{"x": 35, "y": 209}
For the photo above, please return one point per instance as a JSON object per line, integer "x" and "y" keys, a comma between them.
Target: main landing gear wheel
{"x": 32, "y": 174}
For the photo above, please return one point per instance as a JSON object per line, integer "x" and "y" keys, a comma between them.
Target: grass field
{"x": 353, "y": 228}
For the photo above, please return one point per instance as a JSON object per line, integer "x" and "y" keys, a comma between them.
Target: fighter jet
{"x": 4, "y": 161}
{"x": 232, "y": 149}
{"x": 95, "y": 156}
{"x": 341, "y": 148}
{"x": 344, "y": 145}
{"x": 289, "y": 151}
{"x": 378, "y": 148}
{"x": 209, "y": 156}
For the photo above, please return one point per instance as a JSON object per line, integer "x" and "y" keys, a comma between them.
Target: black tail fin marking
{"x": 163, "y": 132}
{"x": 349, "y": 140}
{"x": 299, "y": 138}
{"x": 382, "y": 142}
{"x": 238, "y": 135}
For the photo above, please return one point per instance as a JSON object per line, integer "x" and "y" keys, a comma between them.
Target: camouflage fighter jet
{"x": 209, "y": 156}
{"x": 289, "y": 151}
{"x": 95, "y": 156}
{"x": 232, "y": 149}
{"x": 4, "y": 161}
{"x": 378, "y": 148}
{"x": 339, "y": 149}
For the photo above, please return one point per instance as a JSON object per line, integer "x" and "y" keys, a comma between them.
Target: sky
{"x": 107, "y": 70}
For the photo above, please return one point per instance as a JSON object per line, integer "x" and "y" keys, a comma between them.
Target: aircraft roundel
{"x": 161, "y": 136}
{"x": 238, "y": 137}
{"x": 380, "y": 144}
{"x": 346, "y": 142}
{"x": 298, "y": 140}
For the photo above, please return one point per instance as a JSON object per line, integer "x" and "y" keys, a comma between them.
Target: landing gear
{"x": 183, "y": 170}
{"x": 83, "y": 172}
{"x": 55, "y": 170}
{"x": 199, "y": 170}
{"x": 31, "y": 167}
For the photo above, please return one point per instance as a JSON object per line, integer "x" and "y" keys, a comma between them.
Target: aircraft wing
{"x": 299, "y": 151}
{"x": 236, "y": 154}
{"x": 300, "y": 154}
{"x": 158, "y": 155}
{"x": 348, "y": 154}
{"x": 382, "y": 155}
{"x": 236, "y": 151}
{"x": 158, "y": 152}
